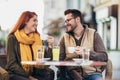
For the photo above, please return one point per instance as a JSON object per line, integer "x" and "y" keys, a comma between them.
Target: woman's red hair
{"x": 25, "y": 17}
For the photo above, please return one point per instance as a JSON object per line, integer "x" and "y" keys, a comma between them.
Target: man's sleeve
{"x": 99, "y": 53}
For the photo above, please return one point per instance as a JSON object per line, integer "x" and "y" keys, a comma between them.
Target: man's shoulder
{"x": 66, "y": 35}
{"x": 91, "y": 29}
{"x": 62, "y": 38}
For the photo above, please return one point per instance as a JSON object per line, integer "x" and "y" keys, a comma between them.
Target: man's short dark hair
{"x": 75, "y": 13}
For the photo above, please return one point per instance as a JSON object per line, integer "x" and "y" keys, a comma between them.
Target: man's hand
{"x": 78, "y": 50}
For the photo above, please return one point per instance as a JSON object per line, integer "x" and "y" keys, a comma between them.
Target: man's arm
{"x": 99, "y": 53}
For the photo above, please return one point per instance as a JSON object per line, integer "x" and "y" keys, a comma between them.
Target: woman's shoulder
{"x": 11, "y": 36}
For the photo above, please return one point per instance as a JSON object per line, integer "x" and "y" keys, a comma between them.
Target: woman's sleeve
{"x": 13, "y": 58}
{"x": 48, "y": 53}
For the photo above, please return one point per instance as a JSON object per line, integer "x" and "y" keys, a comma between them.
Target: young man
{"x": 80, "y": 35}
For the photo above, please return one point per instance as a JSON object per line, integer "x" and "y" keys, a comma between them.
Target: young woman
{"x": 21, "y": 46}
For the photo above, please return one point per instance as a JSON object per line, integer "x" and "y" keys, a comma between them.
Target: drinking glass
{"x": 40, "y": 53}
{"x": 86, "y": 54}
{"x": 56, "y": 52}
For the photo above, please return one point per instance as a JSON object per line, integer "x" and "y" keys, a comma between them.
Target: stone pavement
{"x": 114, "y": 56}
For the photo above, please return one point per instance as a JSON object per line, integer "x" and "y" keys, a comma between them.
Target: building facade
{"x": 108, "y": 22}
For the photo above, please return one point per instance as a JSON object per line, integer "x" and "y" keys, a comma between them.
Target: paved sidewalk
{"x": 114, "y": 56}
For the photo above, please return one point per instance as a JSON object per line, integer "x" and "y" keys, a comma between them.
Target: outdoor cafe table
{"x": 63, "y": 63}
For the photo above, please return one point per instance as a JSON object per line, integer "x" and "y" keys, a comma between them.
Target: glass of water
{"x": 40, "y": 53}
{"x": 86, "y": 54}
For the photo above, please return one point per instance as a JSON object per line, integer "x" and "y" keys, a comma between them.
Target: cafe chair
{"x": 3, "y": 74}
{"x": 108, "y": 70}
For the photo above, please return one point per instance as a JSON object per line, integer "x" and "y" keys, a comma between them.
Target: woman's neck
{"x": 26, "y": 31}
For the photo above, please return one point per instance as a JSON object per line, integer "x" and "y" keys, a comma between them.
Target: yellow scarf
{"x": 25, "y": 42}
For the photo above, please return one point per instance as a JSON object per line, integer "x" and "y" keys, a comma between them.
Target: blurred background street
{"x": 101, "y": 15}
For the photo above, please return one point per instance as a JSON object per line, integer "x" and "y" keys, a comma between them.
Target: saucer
{"x": 78, "y": 60}
{"x": 46, "y": 59}
{"x": 43, "y": 60}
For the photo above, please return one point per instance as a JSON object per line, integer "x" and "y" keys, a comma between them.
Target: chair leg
{"x": 108, "y": 74}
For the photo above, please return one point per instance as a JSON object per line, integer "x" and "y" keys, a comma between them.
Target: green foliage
{"x": 56, "y": 33}
{"x": 3, "y": 42}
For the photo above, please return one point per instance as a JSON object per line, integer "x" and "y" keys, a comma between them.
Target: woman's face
{"x": 31, "y": 25}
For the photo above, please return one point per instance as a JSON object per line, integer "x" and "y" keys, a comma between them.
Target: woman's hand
{"x": 32, "y": 78}
{"x": 50, "y": 41}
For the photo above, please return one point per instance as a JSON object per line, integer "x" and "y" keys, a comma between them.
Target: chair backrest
{"x": 3, "y": 60}
{"x": 108, "y": 72}
{"x": 3, "y": 74}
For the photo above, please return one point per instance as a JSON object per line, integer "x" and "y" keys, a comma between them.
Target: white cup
{"x": 44, "y": 36}
{"x": 71, "y": 49}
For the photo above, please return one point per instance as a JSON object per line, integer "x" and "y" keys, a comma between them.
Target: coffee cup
{"x": 71, "y": 49}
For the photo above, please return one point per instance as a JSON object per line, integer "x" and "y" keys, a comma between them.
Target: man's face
{"x": 70, "y": 23}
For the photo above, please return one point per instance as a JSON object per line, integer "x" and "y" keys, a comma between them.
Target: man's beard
{"x": 71, "y": 32}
